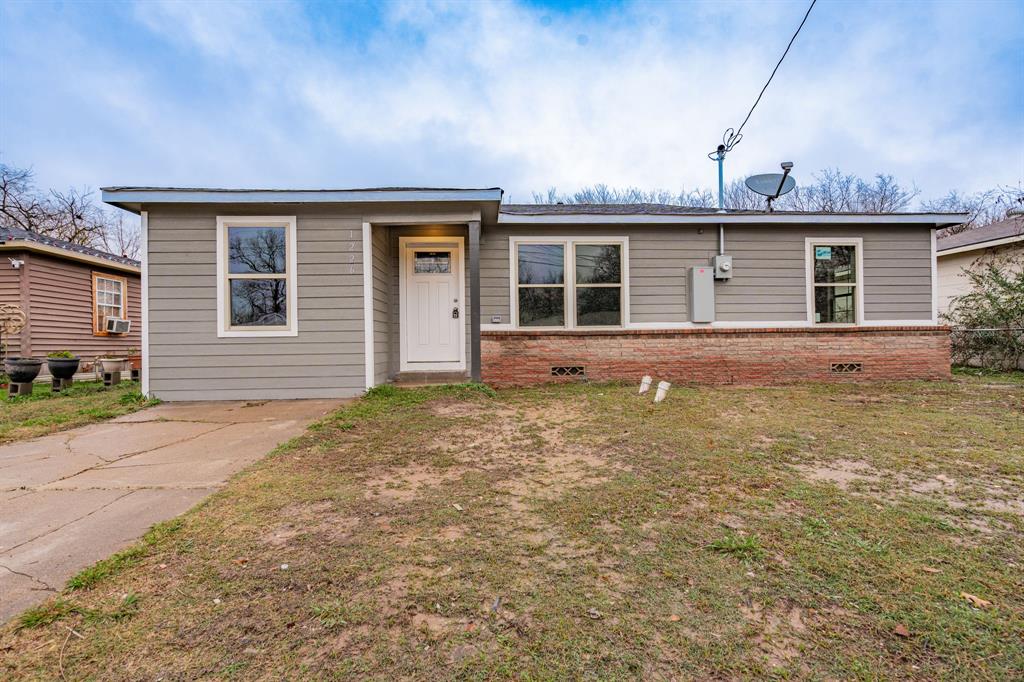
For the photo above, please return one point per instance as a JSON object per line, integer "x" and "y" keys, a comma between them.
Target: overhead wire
{"x": 732, "y": 138}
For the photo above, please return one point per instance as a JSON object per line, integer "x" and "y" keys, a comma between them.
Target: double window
{"x": 834, "y": 286}
{"x": 256, "y": 276}
{"x": 108, "y": 300}
{"x": 570, "y": 283}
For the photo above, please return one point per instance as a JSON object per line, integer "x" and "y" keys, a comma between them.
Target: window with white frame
{"x": 256, "y": 268}
{"x": 834, "y": 281}
{"x": 108, "y": 297}
{"x": 569, "y": 283}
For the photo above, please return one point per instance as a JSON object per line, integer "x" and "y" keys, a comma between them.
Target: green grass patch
{"x": 46, "y": 613}
{"x": 86, "y": 402}
{"x": 744, "y": 547}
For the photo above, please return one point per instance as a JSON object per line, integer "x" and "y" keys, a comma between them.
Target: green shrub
{"x": 988, "y": 321}
{"x": 61, "y": 354}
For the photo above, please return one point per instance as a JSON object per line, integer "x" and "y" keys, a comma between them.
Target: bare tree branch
{"x": 72, "y": 215}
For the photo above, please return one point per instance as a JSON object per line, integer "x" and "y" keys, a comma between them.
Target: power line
{"x": 731, "y": 138}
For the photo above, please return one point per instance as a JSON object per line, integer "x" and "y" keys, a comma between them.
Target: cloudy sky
{"x": 523, "y": 95}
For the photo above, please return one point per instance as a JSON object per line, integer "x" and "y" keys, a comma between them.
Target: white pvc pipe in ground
{"x": 645, "y": 384}
{"x": 663, "y": 387}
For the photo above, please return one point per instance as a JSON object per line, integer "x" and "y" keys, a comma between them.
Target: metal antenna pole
{"x": 720, "y": 157}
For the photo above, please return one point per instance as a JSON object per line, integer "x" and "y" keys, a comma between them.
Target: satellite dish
{"x": 772, "y": 185}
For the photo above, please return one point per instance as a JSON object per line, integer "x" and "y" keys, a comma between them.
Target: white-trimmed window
{"x": 256, "y": 293}
{"x": 569, "y": 283}
{"x": 835, "y": 293}
{"x": 108, "y": 300}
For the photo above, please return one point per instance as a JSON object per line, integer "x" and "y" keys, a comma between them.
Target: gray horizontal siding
{"x": 769, "y": 280}
{"x": 382, "y": 309}
{"x": 187, "y": 359}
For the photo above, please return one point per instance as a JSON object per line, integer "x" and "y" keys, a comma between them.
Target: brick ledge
{"x": 703, "y": 331}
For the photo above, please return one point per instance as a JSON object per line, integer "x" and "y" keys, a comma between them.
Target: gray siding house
{"x": 299, "y": 294}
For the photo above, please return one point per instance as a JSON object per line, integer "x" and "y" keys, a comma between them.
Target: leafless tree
{"x": 122, "y": 238}
{"x": 833, "y": 191}
{"x": 603, "y": 194}
{"x": 830, "y": 191}
{"x": 20, "y": 204}
{"x": 72, "y": 215}
{"x": 984, "y": 207}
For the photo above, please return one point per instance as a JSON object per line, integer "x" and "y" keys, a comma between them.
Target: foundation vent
{"x": 846, "y": 367}
{"x": 568, "y": 371}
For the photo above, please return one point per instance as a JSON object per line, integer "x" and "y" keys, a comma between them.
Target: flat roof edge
{"x": 934, "y": 219}
{"x": 118, "y": 196}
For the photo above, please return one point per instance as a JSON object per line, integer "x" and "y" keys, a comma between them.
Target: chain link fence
{"x": 1000, "y": 348}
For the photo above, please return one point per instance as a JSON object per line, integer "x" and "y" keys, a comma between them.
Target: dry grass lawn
{"x": 45, "y": 412}
{"x": 807, "y": 532}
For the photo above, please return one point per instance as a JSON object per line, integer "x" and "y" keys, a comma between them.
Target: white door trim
{"x": 144, "y": 248}
{"x": 403, "y": 254}
{"x": 371, "y": 374}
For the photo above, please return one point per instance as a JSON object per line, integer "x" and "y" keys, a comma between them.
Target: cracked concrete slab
{"x": 201, "y": 461}
{"x": 229, "y": 412}
{"x": 73, "y": 498}
{"x": 113, "y": 441}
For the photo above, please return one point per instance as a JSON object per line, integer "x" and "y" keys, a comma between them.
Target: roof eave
{"x": 935, "y": 220}
{"x": 132, "y": 199}
{"x": 57, "y": 252}
{"x": 980, "y": 246}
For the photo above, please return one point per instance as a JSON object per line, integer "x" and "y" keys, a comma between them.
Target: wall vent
{"x": 567, "y": 371}
{"x": 846, "y": 367}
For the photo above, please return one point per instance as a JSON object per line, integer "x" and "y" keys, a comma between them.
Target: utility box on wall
{"x": 702, "y": 293}
{"x": 723, "y": 266}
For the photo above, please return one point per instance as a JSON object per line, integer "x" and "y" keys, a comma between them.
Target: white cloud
{"x": 497, "y": 93}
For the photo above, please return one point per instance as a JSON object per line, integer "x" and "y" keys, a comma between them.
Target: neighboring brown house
{"x": 67, "y": 291}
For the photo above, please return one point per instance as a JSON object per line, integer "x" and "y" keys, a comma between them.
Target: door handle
{"x": 455, "y": 313}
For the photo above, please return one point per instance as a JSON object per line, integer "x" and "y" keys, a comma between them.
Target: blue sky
{"x": 523, "y": 95}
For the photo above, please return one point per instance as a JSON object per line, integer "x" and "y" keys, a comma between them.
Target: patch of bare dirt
{"x": 435, "y": 624}
{"x": 452, "y": 407}
{"x": 777, "y": 632}
{"x": 311, "y": 518}
{"x": 402, "y": 485}
{"x": 841, "y": 472}
{"x": 1000, "y": 496}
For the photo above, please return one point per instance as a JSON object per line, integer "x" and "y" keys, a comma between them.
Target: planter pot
{"x": 23, "y": 370}
{"x": 62, "y": 368}
{"x": 111, "y": 364}
{"x": 135, "y": 361}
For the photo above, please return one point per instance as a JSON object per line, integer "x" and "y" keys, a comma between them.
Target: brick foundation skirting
{"x": 718, "y": 356}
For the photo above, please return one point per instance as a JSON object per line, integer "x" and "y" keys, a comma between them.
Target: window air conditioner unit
{"x": 118, "y": 326}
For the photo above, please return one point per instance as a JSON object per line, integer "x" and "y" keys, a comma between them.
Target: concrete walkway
{"x": 73, "y": 498}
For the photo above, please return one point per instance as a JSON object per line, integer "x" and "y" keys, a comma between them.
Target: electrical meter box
{"x": 723, "y": 267}
{"x": 702, "y": 293}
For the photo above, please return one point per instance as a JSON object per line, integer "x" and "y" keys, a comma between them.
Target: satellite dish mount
{"x": 772, "y": 185}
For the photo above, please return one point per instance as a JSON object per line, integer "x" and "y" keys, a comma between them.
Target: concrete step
{"x": 429, "y": 378}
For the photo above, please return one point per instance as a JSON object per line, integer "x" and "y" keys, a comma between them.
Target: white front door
{"x": 433, "y": 314}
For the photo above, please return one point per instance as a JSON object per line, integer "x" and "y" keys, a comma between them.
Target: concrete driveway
{"x": 73, "y": 498}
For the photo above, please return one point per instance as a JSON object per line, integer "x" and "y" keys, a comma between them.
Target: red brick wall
{"x": 717, "y": 356}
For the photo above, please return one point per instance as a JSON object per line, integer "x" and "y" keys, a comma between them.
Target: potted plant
{"x": 23, "y": 370}
{"x": 134, "y": 358}
{"x": 62, "y": 364}
{"x": 110, "y": 364}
